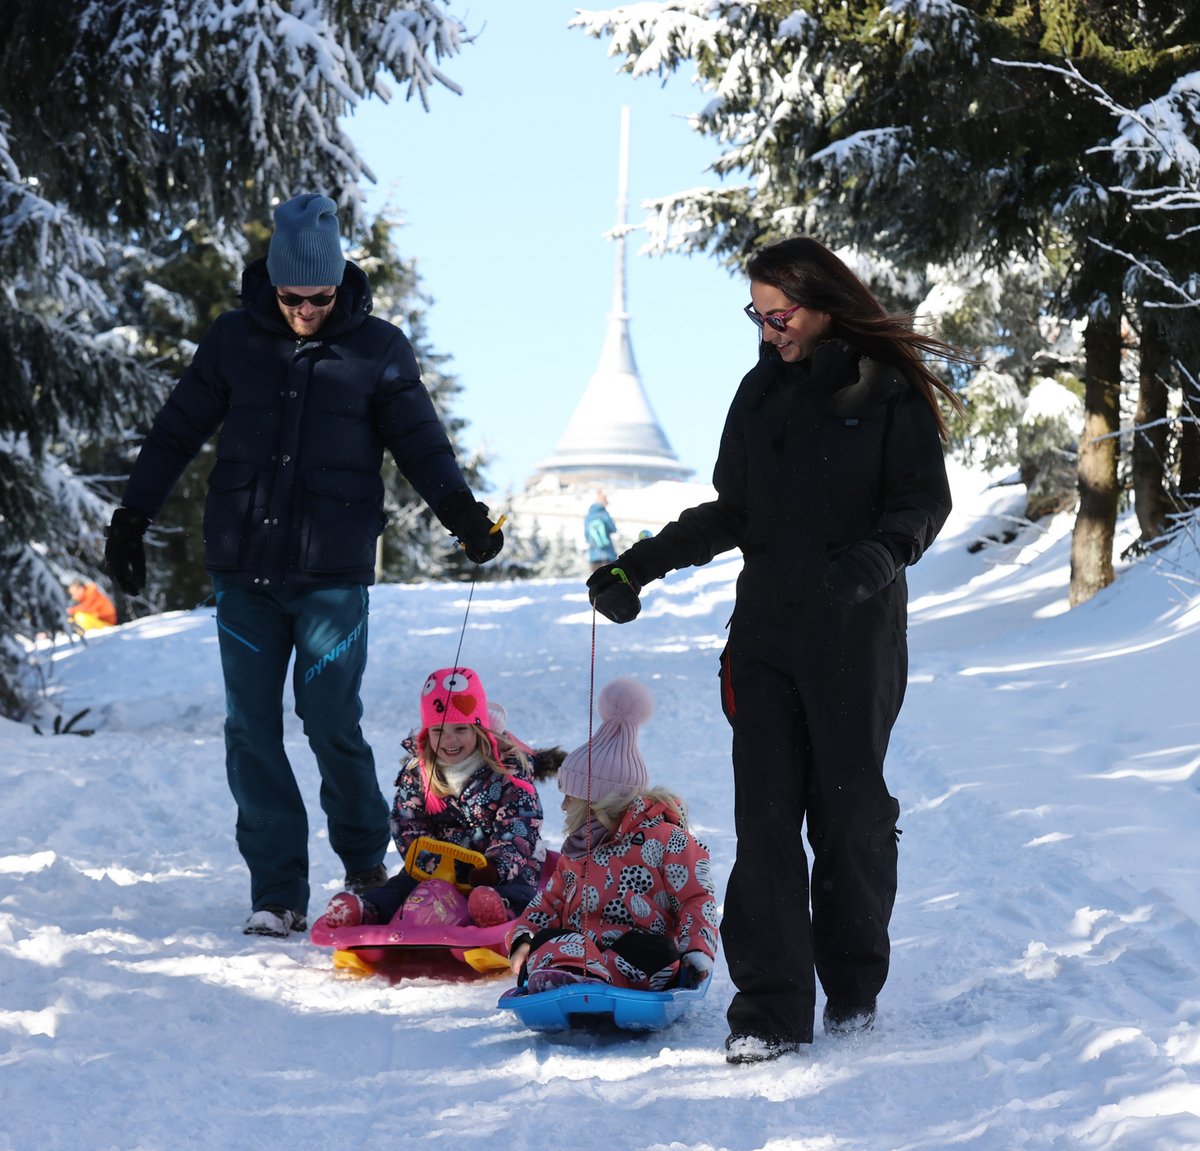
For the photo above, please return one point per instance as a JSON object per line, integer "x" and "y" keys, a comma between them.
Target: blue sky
{"x": 507, "y": 191}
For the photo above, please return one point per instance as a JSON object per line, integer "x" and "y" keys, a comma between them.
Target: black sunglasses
{"x": 292, "y": 300}
{"x": 777, "y": 320}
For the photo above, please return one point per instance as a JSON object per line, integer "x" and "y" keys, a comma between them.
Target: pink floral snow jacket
{"x": 652, "y": 876}
{"x": 494, "y": 816}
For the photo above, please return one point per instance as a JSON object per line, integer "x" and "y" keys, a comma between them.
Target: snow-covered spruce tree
{"x": 1023, "y": 409}
{"x": 168, "y": 297}
{"x": 122, "y": 124}
{"x": 896, "y": 126}
{"x": 1157, "y": 153}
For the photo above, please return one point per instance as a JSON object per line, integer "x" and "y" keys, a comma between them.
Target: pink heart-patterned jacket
{"x": 651, "y": 876}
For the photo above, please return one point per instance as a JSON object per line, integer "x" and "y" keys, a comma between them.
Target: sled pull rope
{"x": 463, "y": 630}
{"x": 587, "y": 857}
{"x": 457, "y": 653}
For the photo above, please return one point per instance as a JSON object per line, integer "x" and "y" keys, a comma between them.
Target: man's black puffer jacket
{"x": 295, "y": 495}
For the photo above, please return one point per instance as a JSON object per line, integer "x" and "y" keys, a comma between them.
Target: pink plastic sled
{"x": 433, "y": 919}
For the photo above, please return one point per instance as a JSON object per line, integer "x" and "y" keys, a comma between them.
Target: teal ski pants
{"x": 325, "y": 628}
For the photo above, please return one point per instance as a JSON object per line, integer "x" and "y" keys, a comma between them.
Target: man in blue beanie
{"x": 308, "y": 389}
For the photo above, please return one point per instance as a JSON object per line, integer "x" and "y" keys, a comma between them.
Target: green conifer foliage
{"x": 129, "y": 132}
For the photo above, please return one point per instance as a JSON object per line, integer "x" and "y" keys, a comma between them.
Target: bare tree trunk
{"x": 1149, "y": 456}
{"x": 1099, "y": 450}
{"x": 1189, "y": 435}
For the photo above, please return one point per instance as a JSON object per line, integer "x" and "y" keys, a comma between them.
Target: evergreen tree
{"x": 122, "y": 124}
{"x": 170, "y": 296}
{"x": 1157, "y": 153}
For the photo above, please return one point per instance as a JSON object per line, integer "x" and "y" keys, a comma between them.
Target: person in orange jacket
{"x": 91, "y": 607}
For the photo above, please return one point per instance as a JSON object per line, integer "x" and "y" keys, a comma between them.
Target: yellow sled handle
{"x": 430, "y": 858}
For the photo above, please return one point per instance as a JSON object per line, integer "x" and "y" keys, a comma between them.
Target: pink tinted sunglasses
{"x": 777, "y": 320}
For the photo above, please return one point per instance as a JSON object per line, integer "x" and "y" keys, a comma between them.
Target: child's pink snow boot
{"x": 485, "y": 907}
{"x": 349, "y": 910}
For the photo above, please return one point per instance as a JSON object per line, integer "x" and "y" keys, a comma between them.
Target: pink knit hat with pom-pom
{"x": 616, "y": 764}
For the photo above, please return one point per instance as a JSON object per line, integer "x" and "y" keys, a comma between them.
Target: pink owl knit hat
{"x": 452, "y": 696}
{"x": 616, "y": 764}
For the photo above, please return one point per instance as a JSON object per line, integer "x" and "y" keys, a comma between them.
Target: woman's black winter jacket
{"x": 813, "y": 457}
{"x": 295, "y": 494}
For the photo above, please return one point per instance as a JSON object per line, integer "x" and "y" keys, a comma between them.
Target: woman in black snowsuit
{"x": 831, "y": 480}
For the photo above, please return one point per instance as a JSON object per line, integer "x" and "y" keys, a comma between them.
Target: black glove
{"x": 859, "y": 570}
{"x": 465, "y": 517}
{"x": 485, "y": 876}
{"x": 124, "y": 555}
{"x": 694, "y": 968}
{"x": 613, "y": 591}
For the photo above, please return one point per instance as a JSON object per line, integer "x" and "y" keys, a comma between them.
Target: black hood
{"x": 352, "y": 307}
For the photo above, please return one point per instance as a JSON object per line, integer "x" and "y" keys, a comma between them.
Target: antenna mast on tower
{"x": 613, "y": 435}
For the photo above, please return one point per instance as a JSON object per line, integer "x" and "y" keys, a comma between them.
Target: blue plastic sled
{"x": 592, "y": 1004}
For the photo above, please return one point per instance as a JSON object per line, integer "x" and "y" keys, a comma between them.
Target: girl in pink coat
{"x": 631, "y": 901}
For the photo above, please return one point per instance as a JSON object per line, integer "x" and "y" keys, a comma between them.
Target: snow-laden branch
{"x": 1188, "y": 298}
{"x": 1158, "y": 138}
{"x": 1154, "y": 136}
{"x": 655, "y": 38}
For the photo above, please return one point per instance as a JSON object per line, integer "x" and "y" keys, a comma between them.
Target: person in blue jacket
{"x": 599, "y": 529}
{"x": 308, "y": 389}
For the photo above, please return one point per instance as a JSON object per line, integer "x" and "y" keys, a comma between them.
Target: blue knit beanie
{"x": 306, "y": 250}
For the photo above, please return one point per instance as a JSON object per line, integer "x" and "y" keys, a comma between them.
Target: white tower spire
{"x": 613, "y": 436}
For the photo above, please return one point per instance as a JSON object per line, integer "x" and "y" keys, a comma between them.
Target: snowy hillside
{"x": 1046, "y": 969}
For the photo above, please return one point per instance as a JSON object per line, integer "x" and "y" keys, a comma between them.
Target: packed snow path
{"x": 1046, "y": 951}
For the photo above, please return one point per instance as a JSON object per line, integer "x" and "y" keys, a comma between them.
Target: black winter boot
{"x": 848, "y": 1018}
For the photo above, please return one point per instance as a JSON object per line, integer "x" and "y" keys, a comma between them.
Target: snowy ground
{"x": 1045, "y": 989}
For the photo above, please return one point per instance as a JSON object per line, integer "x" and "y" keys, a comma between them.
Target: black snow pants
{"x": 811, "y": 691}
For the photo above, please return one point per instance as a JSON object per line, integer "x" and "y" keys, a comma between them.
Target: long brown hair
{"x": 810, "y": 275}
